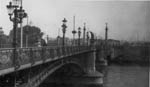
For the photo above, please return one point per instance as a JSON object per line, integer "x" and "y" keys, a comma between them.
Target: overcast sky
{"x": 127, "y": 20}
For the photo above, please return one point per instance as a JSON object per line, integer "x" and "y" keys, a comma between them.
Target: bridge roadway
{"x": 48, "y": 56}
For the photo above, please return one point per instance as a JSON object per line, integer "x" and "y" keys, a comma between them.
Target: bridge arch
{"x": 69, "y": 69}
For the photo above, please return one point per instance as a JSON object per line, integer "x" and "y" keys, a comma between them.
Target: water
{"x": 127, "y": 76}
{"x": 116, "y": 76}
{"x": 73, "y": 82}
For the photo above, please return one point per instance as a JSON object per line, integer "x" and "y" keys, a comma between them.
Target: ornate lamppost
{"x": 74, "y": 31}
{"x": 106, "y": 32}
{"x": 58, "y": 38}
{"x": 18, "y": 14}
{"x": 79, "y": 34}
{"x": 64, "y": 30}
{"x": 84, "y": 30}
{"x": 1, "y": 33}
{"x": 14, "y": 16}
{"x": 106, "y": 43}
{"x": 87, "y": 35}
{"x": 12, "y": 11}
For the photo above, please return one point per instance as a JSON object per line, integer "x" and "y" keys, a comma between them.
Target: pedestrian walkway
{"x": 127, "y": 76}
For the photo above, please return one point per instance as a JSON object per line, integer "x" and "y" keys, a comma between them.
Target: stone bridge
{"x": 31, "y": 66}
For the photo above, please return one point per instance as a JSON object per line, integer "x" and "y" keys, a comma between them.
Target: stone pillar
{"x": 90, "y": 61}
{"x": 90, "y": 67}
{"x": 101, "y": 55}
{"x": 112, "y": 53}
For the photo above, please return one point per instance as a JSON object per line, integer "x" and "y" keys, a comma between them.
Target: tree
{"x": 31, "y": 35}
{"x": 4, "y": 40}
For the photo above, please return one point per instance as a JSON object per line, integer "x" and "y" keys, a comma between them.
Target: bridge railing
{"x": 6, "y": 59}
{"x": 30, "y": 56}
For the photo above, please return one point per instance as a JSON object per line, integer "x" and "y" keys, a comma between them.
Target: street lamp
{"x": 19, "y": 14}
{"x": 84, "y": 30}
{"x": 74, "y": 31}
{"x": 106, "y": 32}
{"x": 87, "y": 35}
{"x": 1, "y": 33}
{"x": 15, "y": 16}
{"x": 79, "y": 34}
{"x": 106, "y": 38}
{"x": 58, "y": 37}
{"x": 64, "y": 30}
{"x": 12, "y": 10}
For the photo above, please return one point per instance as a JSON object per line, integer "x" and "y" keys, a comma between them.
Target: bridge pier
{"x": 90, "y": 65}
{"x": 90, "y": 62}
{"x": 101, "y": 57}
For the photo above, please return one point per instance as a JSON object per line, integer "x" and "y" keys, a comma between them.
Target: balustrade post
{"x": 64, "y": 50}
{"x": 31, "y": 56}
{"x": 49, "y": 52}
{"x": 55, "y": 52}
{"x": 43, "y": 50}
{"x": 70, "y": 52}
{"x": 16, "y": 61}
{"x": 73, "y": 50}
{"x": 61, "y": 53}
{"x": 52, "y": 53}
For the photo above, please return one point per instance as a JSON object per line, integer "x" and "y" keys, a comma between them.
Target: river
{"x": 115, "y": 76}
{"x": 127, "y": 76}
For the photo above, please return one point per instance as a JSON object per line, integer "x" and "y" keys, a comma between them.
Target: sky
{"x": 127, "y": 20}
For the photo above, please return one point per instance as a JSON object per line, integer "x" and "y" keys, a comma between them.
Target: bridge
{"x": 31, "y": 66}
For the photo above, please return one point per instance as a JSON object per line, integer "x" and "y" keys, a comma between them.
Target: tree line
{"x": 31, "y": 36}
